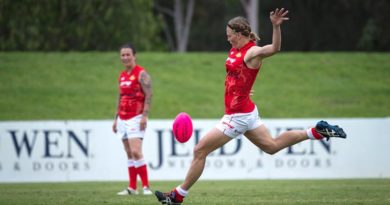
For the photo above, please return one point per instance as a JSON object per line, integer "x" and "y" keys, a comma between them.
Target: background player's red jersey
{"x": 132, "y": 98}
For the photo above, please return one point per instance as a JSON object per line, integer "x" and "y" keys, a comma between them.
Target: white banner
{"x": 44, "y": 151}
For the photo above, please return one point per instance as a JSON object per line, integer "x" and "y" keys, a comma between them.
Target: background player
{"x": 135, "y": 95}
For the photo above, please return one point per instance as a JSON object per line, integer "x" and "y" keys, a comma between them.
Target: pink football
{"x": 182, "y": 127}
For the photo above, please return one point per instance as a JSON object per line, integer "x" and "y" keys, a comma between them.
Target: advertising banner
{"x": 48, "y": 151}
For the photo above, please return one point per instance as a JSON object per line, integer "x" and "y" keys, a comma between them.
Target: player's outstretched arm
{"x": 277, "y": 17}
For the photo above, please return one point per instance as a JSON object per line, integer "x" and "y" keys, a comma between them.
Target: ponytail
{"x": 254, "y": 37}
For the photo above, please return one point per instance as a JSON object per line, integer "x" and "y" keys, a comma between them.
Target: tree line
{"x": 189, "y": 25}
{"x": 65, "y": 25}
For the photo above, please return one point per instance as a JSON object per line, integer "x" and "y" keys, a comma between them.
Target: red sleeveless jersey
{"x": 131, "y": 102}
{"x": 239, "y": 81}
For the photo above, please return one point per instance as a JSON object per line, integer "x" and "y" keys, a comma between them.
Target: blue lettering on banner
{"x": 235, "y": 151}
{"x": 159, "y": 152}
{"x": 302, "y": 163}
{"x": 60, "y": 166}
{"x": 82, "y": 147}
{"x": 16, "y": 167}
{"x": 312, "y": 151}
{"x": 51, "y": 141}
{"x": 173, "y": 145}
{"x": 24, "y": 142}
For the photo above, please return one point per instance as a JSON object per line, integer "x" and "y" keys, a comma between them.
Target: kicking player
{"x": 241, "y": 115}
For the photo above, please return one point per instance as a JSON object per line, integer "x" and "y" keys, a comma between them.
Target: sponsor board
{"x": 44, "y": 151}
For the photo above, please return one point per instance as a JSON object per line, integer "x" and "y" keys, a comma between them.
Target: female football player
{"x": 135, "y": 96}
{"x": 241, "y": 115}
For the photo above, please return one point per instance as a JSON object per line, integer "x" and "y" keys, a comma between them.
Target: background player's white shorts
{"x": 237, "y": 124}
{"x": 129, "y": 128}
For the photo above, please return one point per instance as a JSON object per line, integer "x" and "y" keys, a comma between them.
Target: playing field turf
{"x": 348, "y": 191}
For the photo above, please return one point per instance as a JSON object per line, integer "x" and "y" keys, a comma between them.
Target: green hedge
{"x": 62, "y": 25}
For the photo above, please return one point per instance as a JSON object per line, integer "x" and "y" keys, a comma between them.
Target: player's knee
{"x": 199, "y": 152}
{"x": 136, "y": 154}
{"x": 128, "y": 151}
{"x": 270, "y": 150}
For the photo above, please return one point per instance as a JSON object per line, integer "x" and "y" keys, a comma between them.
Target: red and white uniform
{"x": 241, "y": 113}
{"x": 131, "y": 106}
{"x": 132, "y": 98}
{"x": 239, "y": 81}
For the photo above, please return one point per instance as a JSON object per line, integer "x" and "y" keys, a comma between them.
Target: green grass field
{"x": 270, "y": 192}
{"x": 290, "y": 85}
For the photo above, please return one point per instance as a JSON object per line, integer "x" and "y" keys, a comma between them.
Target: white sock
{"x": 181, "y": 191}
{"x": 130, "y": 163}
{"x": 310, "y": 134}
{"x": 139, "y": 163}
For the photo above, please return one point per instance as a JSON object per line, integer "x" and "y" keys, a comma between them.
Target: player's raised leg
{"x": 261, "y": 137}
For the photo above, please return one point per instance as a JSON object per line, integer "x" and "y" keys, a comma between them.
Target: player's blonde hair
{"x": 239, "y": 24}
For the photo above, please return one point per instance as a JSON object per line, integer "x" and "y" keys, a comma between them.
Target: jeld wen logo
{"x": 56, "y": 143}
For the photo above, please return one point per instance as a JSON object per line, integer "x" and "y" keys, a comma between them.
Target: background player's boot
{"x": 326, "y": 130}
{"x": 127, "y": 191}
{"x": 170, "y": 198}
{"x": 147, "y": 191}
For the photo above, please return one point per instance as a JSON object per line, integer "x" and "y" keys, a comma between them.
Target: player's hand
{"x": 252, "y": 92}
{"x": 278, "y": 16}
{"x": 143, "y": 123}
{"x": 114, "y": 129}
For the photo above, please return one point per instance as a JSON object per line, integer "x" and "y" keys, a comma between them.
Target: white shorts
{"x": 237, "y": 124}
{"x": 129, "y": 128}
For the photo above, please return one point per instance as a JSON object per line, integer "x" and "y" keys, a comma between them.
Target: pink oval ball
{"x": 182, "y": 127}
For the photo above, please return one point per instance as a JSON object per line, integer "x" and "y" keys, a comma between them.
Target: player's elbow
{"x": 273, "y": 51}
{"x": 277, "y": 48}
{"x": 149, "y": 95}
